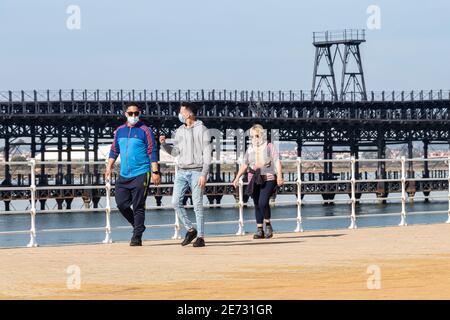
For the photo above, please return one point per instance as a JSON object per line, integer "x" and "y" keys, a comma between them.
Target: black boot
{"x": 259, "y": 234}
{"x": 200, "y": 242}
{"x": 269, "y": 231}
{"x": 136, "y": 241}
{"x": 190, "y": 235}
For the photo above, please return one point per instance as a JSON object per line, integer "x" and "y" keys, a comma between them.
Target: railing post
{"x": 33, "y": 242}
{"x": 448, "y": 176}
{"x": 176, "y": 234}
{"x": 108, "y": 238}
{"x": 403, "y": 180}
{"x": 241, "y": 230}
{"x": 299, "y": 227}
{"x": 353, "y": 185}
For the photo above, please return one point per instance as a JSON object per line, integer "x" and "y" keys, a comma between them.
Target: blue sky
{"x": 249, "y": 44}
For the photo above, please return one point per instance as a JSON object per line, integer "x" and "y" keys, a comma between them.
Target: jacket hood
{"x": 198, "y": 123}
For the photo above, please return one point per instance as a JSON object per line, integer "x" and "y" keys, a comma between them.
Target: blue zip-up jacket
{"x": 137, "y": 148}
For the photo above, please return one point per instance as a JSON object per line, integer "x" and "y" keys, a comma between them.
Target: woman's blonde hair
{"x": 258, "y": 128}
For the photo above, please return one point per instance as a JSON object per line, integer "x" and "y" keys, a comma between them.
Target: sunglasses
{"x": 130, "y": 113}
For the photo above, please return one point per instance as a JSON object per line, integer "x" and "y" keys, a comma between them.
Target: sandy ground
{"x": 413, "y": 263}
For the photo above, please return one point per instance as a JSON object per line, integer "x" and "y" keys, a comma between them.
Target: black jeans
{"x": 133, "y": 191}
{"x": 261, "y": 196}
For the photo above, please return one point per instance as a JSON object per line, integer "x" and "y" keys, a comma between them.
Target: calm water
{"x": 166, "y": 216}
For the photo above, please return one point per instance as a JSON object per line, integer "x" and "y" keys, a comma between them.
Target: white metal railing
{"x": 108, "y": 229}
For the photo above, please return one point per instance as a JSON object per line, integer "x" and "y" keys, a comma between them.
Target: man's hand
{"x": 162, "y": 139}
{"x": 108, "y": 173}
{"x": 236, "y": 182}
{"x": 201, "y": 182}
{"x": 156, "y": 179}
{"x": 109, "y": 167}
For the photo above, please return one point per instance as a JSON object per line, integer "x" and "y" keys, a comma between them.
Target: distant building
{"x": 438, "y": 154}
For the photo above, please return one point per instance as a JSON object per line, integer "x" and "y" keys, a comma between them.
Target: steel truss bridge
{"x": 81, "y": 120}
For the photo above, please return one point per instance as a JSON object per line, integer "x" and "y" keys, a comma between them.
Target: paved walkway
{"x": 413, "y": 263}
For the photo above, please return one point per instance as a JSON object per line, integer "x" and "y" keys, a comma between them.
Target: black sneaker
{"x": 269, "y": 232}
{"x": 136, "y": 242}
{"x": 259, "y": 234}
{"x": 190, "y": 235}
{"x": 200, "y": 242}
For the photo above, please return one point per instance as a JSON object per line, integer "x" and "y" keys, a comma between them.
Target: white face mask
{"x": 133, "y": 120}
{"x": 181, "y": 118}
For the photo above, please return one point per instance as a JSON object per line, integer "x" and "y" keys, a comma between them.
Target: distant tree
{"x": 18, "y": 158}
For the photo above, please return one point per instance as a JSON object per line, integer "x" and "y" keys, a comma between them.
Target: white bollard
{"x": 403, "y": 181}
{"x": 176, "y": 234}
{"x": 33, "y": 242}
{"x": 448, "y": 176}
{"x": 299, "y": 227}
{"x": 353, "y": 186}
{"x": 241, "y": 230}
{"x": 108, "y": 238}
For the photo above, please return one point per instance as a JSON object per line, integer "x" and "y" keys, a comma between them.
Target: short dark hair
{"x": 132, "y": 104}
{"x": 190, "y": 106}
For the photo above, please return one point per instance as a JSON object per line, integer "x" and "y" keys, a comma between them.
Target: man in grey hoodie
{"x": 192, "y": 148}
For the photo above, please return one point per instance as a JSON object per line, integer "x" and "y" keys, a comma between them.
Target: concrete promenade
{"x": 413, "y": 263}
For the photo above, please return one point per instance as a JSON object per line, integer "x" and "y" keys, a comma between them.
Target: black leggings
{"x": 261, "y": 196}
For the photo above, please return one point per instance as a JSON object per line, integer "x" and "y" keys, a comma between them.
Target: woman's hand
{"x": 280, "y": 181}
{"x": 236, "y": 182}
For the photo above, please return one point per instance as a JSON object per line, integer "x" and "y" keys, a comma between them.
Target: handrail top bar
{"x": 15, "y": 163}
{"x": 69, "y": 162}
{"x": 299, "y": 159}
{"x": 428, "y": 159}
{"x": 322, "y": 160}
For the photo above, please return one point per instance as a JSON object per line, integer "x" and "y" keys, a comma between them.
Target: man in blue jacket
{"x": 136, "y": 145}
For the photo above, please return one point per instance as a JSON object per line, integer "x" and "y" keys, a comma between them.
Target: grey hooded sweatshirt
{"x": 192, "y": 147}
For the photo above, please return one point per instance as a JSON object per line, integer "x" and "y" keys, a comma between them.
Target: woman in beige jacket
{"x": 264, "y": 175}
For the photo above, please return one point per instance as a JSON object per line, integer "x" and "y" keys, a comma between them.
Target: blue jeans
{"x": 183, "y": 180}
